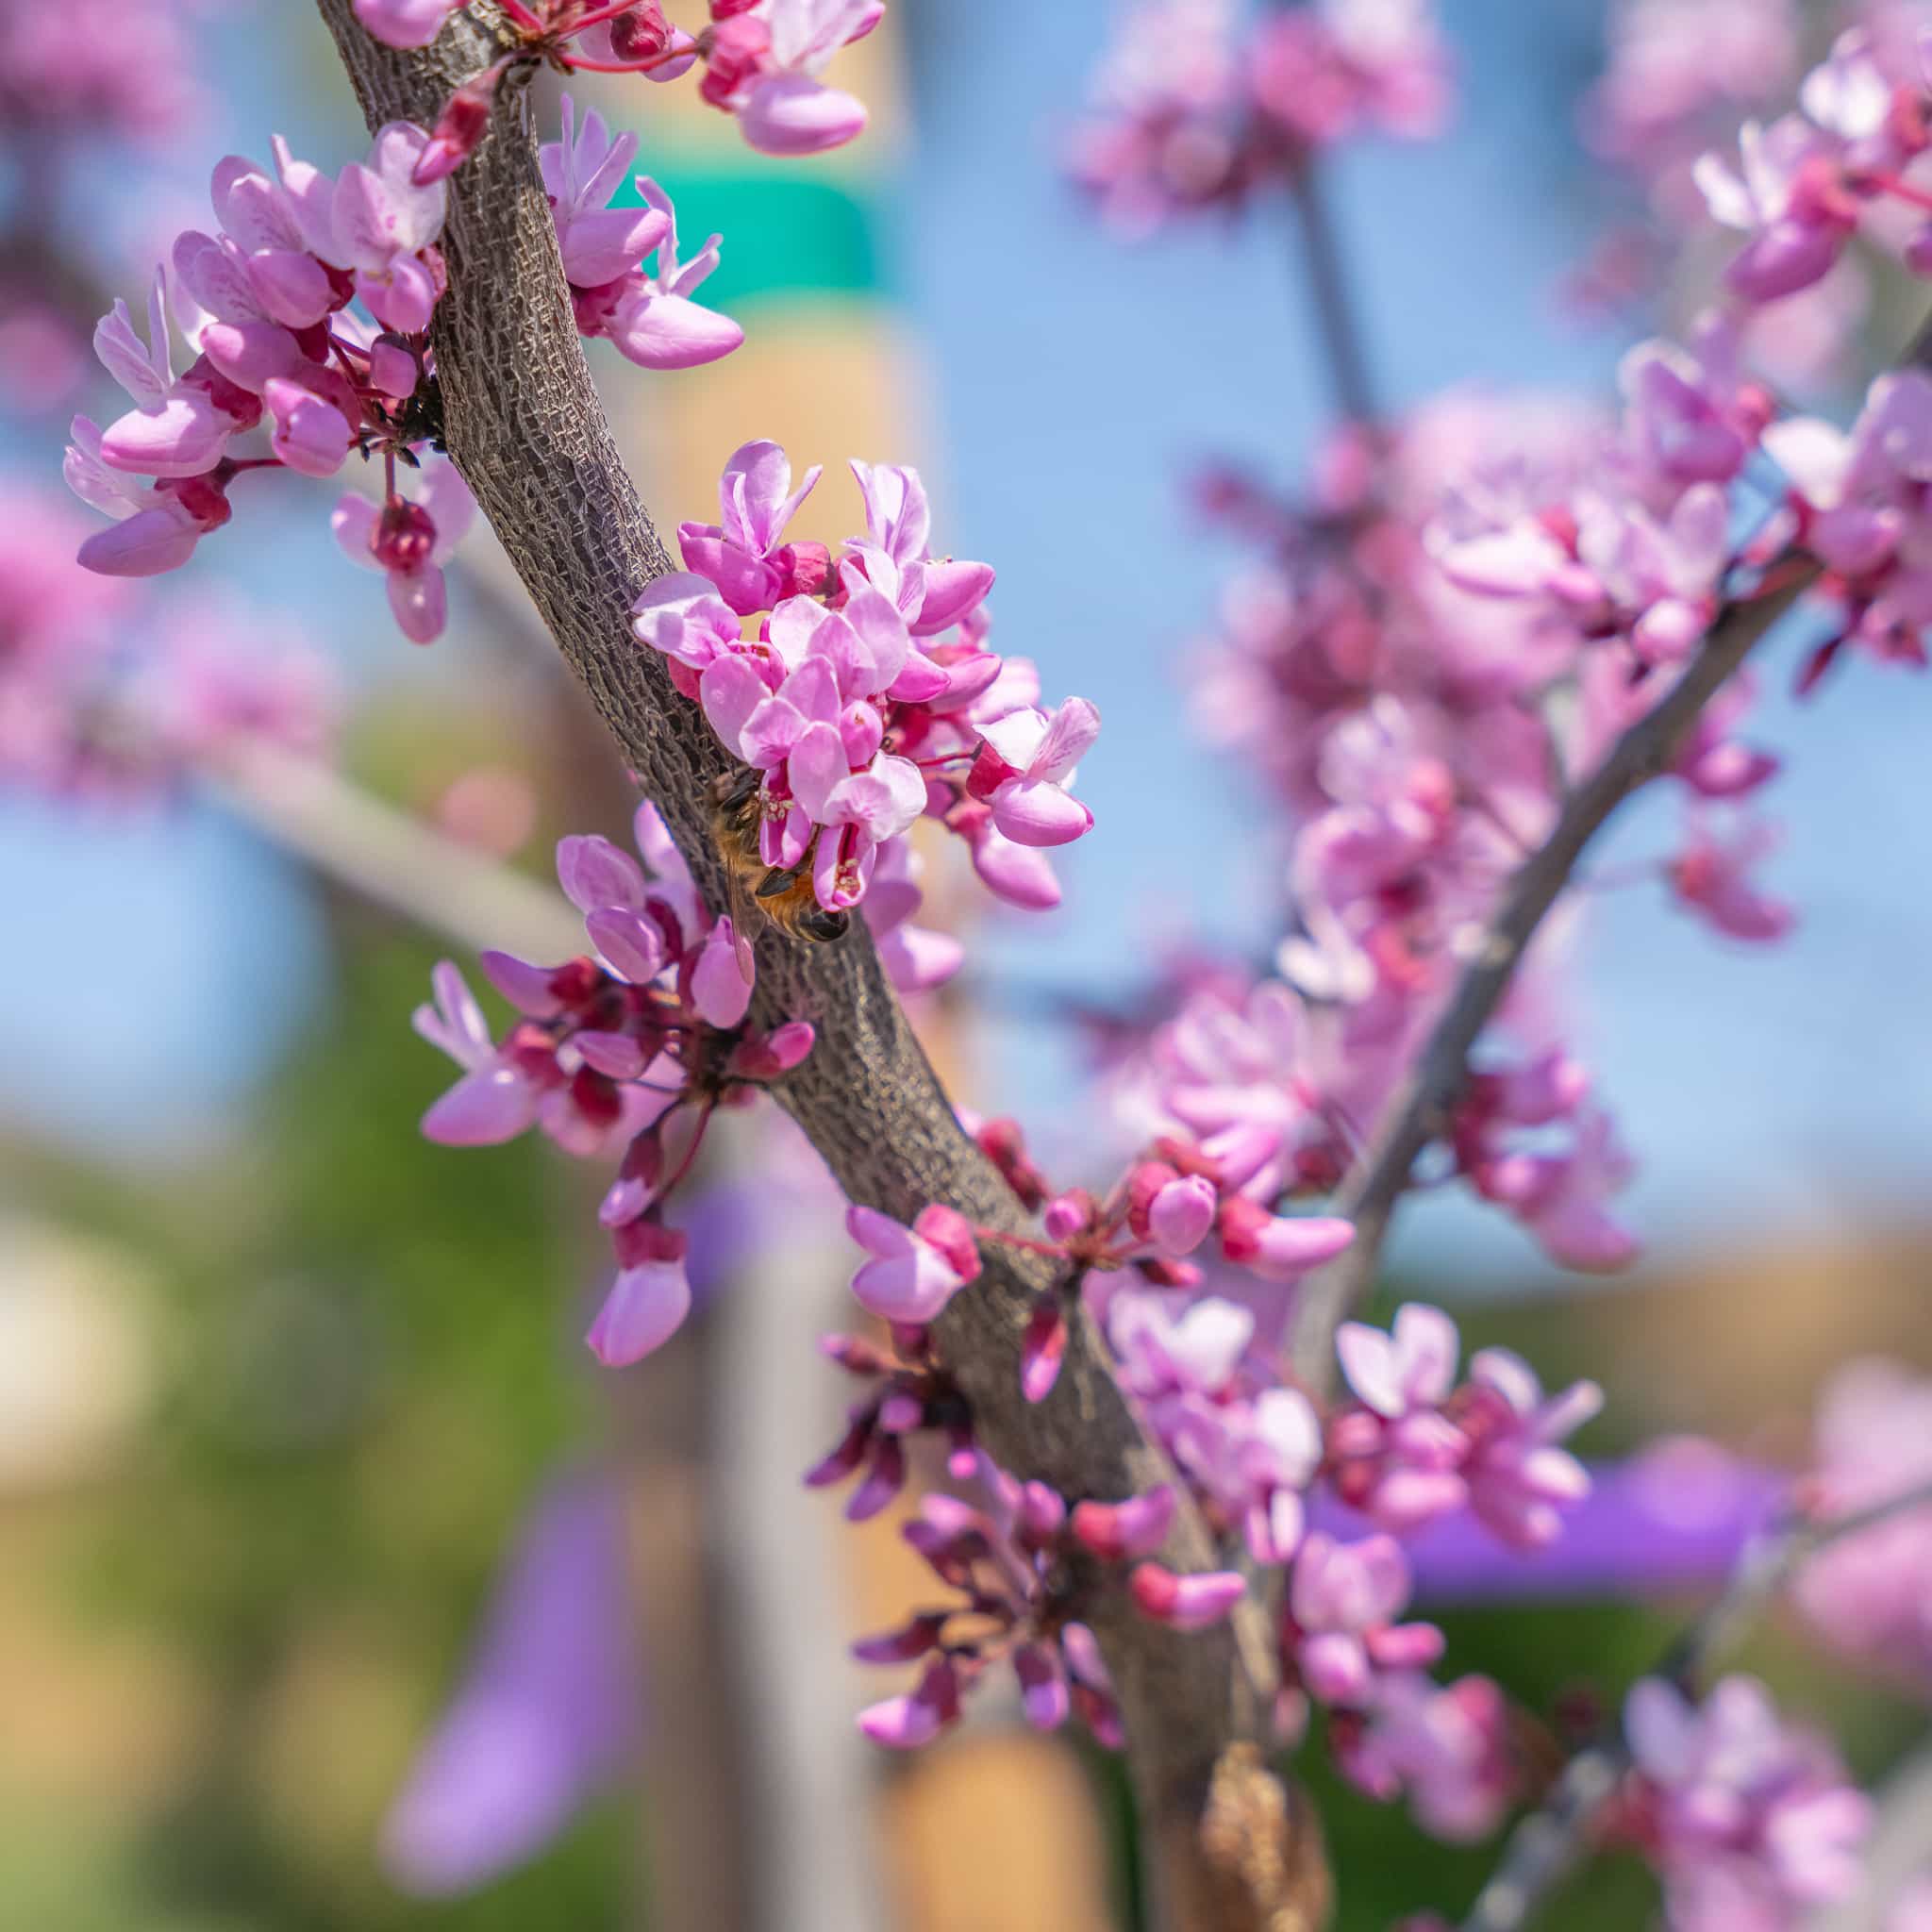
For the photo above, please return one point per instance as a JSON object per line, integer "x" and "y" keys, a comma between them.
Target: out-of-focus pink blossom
{"x": 1749, "y": 1822}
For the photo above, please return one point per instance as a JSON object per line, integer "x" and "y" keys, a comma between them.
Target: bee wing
{"x": 748, "y": 918}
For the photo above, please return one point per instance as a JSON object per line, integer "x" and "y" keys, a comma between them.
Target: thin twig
{"x": 1547, "y": 1845}
{"x": 1335, "y": 317}
{"x": 1419, "y": 1110}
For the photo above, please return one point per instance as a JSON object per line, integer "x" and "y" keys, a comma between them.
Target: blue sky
{"x": 1078, "y": 380}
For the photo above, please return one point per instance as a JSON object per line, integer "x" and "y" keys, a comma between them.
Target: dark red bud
{"x": 403, "y": 536}
{"x": 642, "y": 34}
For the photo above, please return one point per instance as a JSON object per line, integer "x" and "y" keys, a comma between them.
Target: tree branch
{"x": 389, "y": 858}
{"x": 1549, "y": 1844}
{"x": 1335, "y": 316}
{"x": 1232, "y": 1847}
{"x": 1419, "y": 1110}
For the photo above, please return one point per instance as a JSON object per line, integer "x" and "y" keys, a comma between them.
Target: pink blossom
{"x": 647, "y": 1303}
{"x": 743, "y": 555}
{"x": 1343, "y": 1600}
{"x": 1561, "y": 1197}
{"x": 1710, "y": 878}
{"x": 1748, "y": 1821}
{"x": 1449, "y": 1747}
{"x": 1409, "y": 1371}
{"x": 764, "y": 67}
{"x": 655, "y": 324}
{"x": 1190, "y": 1601}
{"x": 1783, "y": 195}
{"x": 650, "y": 318}
{"x": 1116, "y": 1532}
{"x": 177, "y": 427}
{"x": 914, "y": 1270}
{"x": 1519, "y": 1480}
{"x": 406, "y": 23}
{"x": 1867, "y": 1594}
{"x": 410, "y": 541}
{"x": 1034, "y": 760}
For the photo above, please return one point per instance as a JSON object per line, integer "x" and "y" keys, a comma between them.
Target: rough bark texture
{"x": 1231, "y": 1849}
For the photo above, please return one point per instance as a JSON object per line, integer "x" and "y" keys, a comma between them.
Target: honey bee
{"x": 765, "y": 894}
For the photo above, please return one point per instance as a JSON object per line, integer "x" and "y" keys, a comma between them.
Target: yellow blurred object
{"x": 996, "y": 1832}
{"x": 77, "y": 1366}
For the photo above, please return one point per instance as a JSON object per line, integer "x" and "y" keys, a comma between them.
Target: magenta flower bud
{"x": 403, "y": 536}
{"x": 1043, "y": 1348}
{"x": 642, "y": 34}
{"x": 1069, "y": 1214}
{"x": 1195, "y": 1600}
{"x": 883, "y": 1480}
{"x": 911, "y": 1639}
{"x": 1280, "y": 1247}
{"x": 1043, "y": 1695}
{"x": 759, "y": 1057}
{"x": 951, "y": 1233}
{"x": 735, "y": 48}
{"x": 901, "y": 1412}
{"x": 460, "y": 128}
{"x": 1181, "y": 1214}
{"x": 730, "y": 9}
{"x": 1042, "y": 1513}
{"x": 646, "y": 1304}
{"x": 1117, "y": 1532}
{"x": 1144, "y": 1181}
{"x": 844, "y": 1457}
{"x": 904, "y": 1723}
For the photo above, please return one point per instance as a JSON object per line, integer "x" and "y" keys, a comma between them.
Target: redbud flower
{"x": 1747, "y": 1820}
{"x": 915, "y": 1271}
{"x": 1118, "y": 1531}
{"x": 405, "y": 23}
{"x": 1193, "y": 1601}
{"x": 1343, "y": 1600}
{"x": 410, "y": 541}
{"x": 743, "y": 555}
{"x": 764, "y": 68}
{"x": 1034, "y": 760}
{"x": 648, "y": 1300}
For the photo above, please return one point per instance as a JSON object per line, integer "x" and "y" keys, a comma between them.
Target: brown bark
{"x": 1230, "y": 1850}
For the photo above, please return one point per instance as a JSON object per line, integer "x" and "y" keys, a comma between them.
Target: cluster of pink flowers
{"x": 1804, "y": 186}
{"x": 1409, "y": 1446}
{"x": 1870, "y": 1594}
{"x": 649, "y": 319}
{"x": 106, "y": 692}
{"x": 1007, "y": 1563}
{"x": 1750, "y": 1822}
{"x": 1163, "y": 1210}
{"x": 286, "y": 374}
{"x": 761, "y": 59}
{"x": 1194, "y": 109}
{"x": 1470, "y": 610}
{"x": 95, "y": 66}
{"x": 867, "y": 697}
{"x": 630, "y": 1047}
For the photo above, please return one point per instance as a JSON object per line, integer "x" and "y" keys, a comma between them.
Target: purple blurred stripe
{"x": 1673, "y": 1517}
{"x": 547, "y": 1712}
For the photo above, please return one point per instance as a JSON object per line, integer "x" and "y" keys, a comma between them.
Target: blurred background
{"x": 337, "y": 1587}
